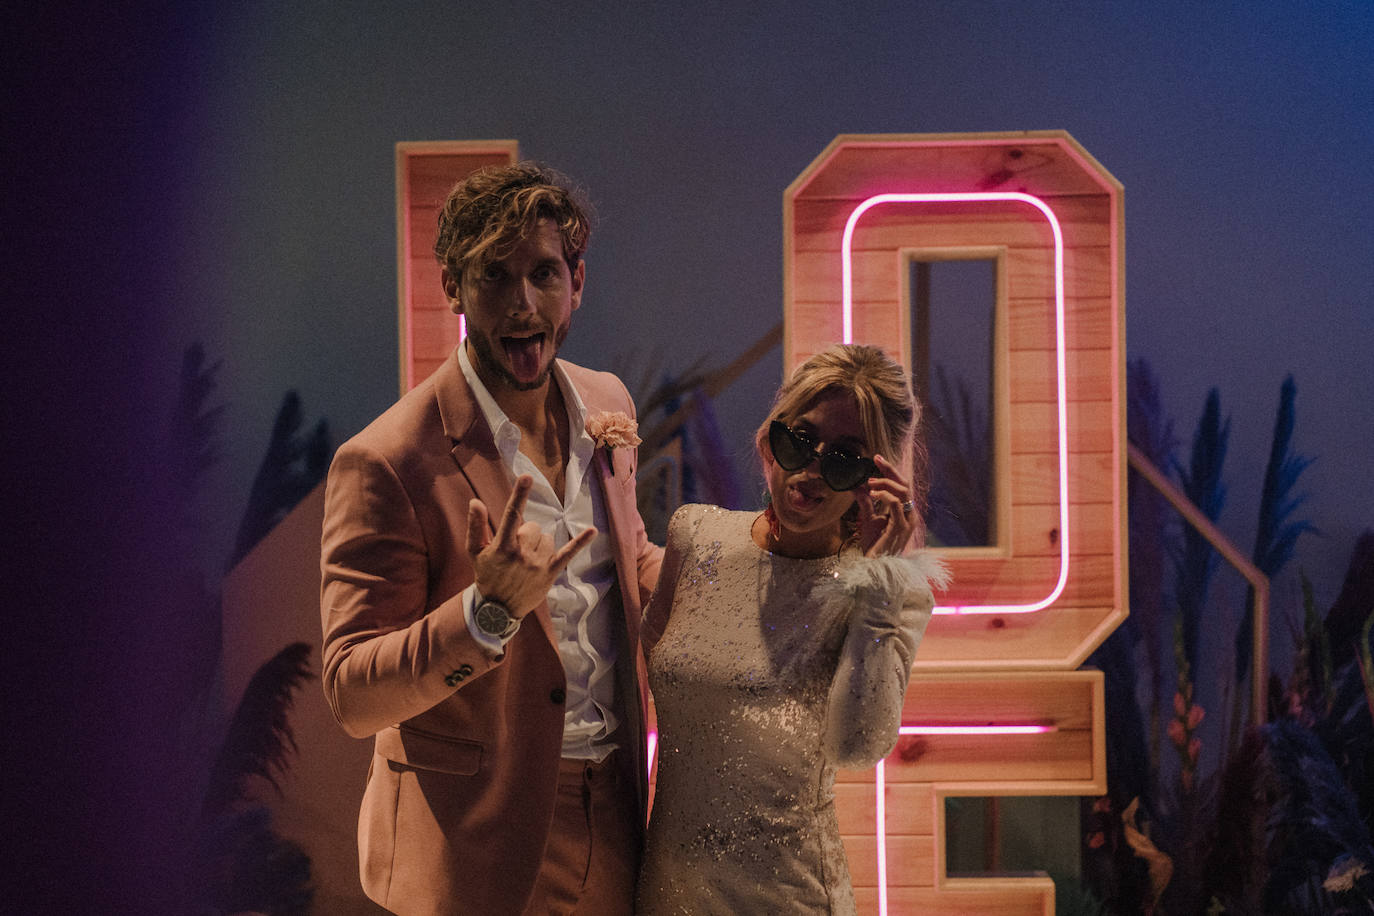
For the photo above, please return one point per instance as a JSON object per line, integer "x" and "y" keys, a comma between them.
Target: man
{"x": 495, "y": 659}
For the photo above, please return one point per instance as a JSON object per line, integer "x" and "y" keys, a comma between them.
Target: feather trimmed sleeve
{"x": 891, "y": 603}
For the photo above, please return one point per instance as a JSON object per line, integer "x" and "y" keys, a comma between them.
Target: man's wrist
{"x": 493, "y": 618}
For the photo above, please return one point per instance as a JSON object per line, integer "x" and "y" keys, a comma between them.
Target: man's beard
{"x": 486, "y": 357}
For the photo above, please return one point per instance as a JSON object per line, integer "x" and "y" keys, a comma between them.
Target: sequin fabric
{"x": 759, "y": 656}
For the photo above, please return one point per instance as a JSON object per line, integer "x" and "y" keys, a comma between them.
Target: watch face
{"x": 493, "y": 618}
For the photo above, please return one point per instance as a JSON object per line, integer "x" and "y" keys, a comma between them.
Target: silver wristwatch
{"x": 494, "y": 619}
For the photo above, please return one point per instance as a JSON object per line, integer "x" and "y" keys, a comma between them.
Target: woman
{"x": 780, "y": 645}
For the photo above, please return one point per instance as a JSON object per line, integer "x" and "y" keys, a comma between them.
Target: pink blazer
{"x": 460, "y": 792}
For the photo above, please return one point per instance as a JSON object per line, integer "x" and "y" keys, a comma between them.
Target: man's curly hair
{"x": 487, "y": 214}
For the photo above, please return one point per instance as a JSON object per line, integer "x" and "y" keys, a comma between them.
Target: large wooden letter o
{"x": 996, "y": 706}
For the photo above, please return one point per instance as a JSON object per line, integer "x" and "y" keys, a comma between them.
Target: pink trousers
{"x": 592, "y": 858}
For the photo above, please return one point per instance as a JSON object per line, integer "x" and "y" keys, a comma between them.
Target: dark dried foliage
{"x": 293, "y": 466}
{"x": 259, "y": 742}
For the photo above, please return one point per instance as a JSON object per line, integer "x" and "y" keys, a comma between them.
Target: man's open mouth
{"x": 526, "y": 354}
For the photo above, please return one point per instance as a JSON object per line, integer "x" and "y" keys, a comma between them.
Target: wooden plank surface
{"x": 909, "y": 810}
{"x": 426, "y": 171}
{"x": 818, "y": 224}
{"x": 1034, "y": 898}
{"x": 1092, "y": 426}
{"x": 1065, "y": 699}
{"x": 910, "y": 860}
{"x": 1037, "y": 166}
{"x": 1037, "y": 641}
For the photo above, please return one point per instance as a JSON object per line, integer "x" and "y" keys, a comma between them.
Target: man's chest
{"x": 551, "y": 464}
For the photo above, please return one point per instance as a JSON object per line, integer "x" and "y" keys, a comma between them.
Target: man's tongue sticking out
{"x": 525, "y": 354}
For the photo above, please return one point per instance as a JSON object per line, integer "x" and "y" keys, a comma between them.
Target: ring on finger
{"x": 908, "y": 507}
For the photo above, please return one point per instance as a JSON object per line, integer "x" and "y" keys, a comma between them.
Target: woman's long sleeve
{"x": 891, "y": 605}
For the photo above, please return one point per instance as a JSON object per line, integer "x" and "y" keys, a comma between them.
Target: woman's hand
{"x": 886, "y": 516}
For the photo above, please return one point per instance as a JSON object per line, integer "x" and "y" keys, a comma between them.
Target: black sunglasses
{"x": 839, "y": 469}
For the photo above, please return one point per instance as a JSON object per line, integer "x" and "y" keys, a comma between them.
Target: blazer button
{"x": 455, "y": 677}
{"x": 558, "y": 695}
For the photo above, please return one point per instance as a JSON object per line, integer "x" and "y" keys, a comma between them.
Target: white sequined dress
{"x": 767, "y": 674}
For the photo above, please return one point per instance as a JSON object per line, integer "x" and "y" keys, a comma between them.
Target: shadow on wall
{"x": 272, "y": 784}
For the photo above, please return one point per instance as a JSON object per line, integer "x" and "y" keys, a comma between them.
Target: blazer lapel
{"x": 613, "y": 473}
{"x": 471, "y": 442}
{"x": 621, "y": 513}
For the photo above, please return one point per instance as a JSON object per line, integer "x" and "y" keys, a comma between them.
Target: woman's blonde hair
{"x": 888, "y": 411}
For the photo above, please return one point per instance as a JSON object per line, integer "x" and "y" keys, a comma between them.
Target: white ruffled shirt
{"x": 583, "y": 599}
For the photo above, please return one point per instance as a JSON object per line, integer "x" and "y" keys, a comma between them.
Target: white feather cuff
{"x": 889, "y": 576}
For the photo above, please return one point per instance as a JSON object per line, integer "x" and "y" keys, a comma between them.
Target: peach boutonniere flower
{"x": 613, "y": 430}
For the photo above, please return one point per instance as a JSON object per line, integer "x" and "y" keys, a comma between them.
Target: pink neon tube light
{"x": 989, "y": 729}
{"x": 847, "y": 293}
{"x": 880, "y": 781}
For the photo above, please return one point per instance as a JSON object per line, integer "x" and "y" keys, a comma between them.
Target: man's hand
{"x": 519, "y": 565}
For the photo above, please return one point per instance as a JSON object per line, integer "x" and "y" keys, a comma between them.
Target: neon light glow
{"x": 880, "y": 781}
{"x": 653, "y": 748}
{"x": 988, "y": 729}
{"x": 847, "y": 305}
{"x": 880, "y": 818}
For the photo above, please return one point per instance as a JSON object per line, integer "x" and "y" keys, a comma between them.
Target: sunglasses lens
{"x": 789, "y": 450}
{"x": 842, "y": 471}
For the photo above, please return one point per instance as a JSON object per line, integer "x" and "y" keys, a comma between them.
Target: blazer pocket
{"x": 427, "y": 751}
